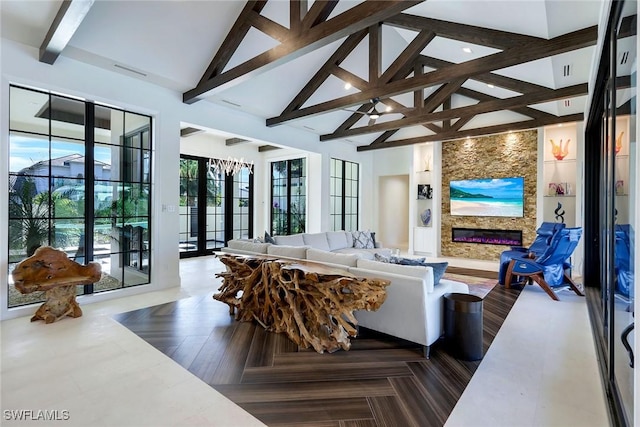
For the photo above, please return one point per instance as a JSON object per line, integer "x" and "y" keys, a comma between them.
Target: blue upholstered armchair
{"x": 543, "y": 237}
{"x": 549, "y": 269}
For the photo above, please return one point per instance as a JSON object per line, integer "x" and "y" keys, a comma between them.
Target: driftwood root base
{"x": 50, "y": 270}
{"x": 315, "y": 309}
{"x": 61, "y": 302}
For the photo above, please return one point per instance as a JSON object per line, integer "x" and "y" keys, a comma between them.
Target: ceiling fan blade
{"x": 371, "y": 122}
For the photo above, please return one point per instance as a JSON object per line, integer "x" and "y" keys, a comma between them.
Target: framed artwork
{"x": 424, "y": 191}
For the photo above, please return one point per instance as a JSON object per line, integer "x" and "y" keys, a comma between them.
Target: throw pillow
{"x": 407, "y": 261}
{"x": 373, "y": 238}
{"x": 381, "y": 258}
{"x": 438, "y": 270}
{"x": 362, "y": 240}
{"x": 268, "y": 238}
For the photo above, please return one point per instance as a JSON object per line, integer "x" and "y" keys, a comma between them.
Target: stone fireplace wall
{"x": 495, "y": 156}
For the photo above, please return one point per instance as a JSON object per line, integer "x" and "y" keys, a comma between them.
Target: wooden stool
{"x": 50, "y": 270}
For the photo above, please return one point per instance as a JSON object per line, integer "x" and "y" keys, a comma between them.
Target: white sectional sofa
{"x": 414, "y": 308}
{"x": 340, "y": 242}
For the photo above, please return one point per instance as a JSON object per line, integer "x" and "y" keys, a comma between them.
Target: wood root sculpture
{"x": 313, "y": 305}
{"x": 50, "y": 270}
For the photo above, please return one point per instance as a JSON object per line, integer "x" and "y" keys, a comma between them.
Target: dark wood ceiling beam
{"x": 527, "y": 111}
{"x": 359, "y": 84}
{"x": 467, "y": 33}
{"x": 233, "y": 39}
{"x": 297, "y": 11}
{"x": 480, "y": 108}
{"x": 512, "y": 84}
{"x": 64, "y": 25}
{"x": 446, "y": 124}
{"x": 403, "y": 64}
{"x": 375, "y": 53}
{"x": 321, "y": 75}
{"x": 514, "y": 56}
{"x": 488, "y": 130}
{"x": 442, "y": 94}
{"x": 319, "y": 12}
{"x": 460, "y": 122}
{"x": 355, "y": 19}
{"x": 418, "y": 94}
{"x": 269, "y": 27}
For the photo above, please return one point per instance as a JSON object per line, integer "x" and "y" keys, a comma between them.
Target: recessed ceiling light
{"x": 490, "y": 86}
{"x": 467, "y": 50}
{"x": 388, "y": 109}
{"x": 347, "y": 86}
{"x": 560, "y": 125}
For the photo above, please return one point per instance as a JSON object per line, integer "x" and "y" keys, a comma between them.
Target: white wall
{"x": 393, "y": 228}
{"x": 20, "y": 66}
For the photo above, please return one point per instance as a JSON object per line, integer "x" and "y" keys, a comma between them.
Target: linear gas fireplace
{"x": 487, "y": 237}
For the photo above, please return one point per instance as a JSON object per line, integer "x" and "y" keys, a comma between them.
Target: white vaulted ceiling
{"x": 171, "y": 43}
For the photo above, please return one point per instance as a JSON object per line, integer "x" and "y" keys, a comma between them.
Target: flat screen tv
{"x": 488, "y": 197}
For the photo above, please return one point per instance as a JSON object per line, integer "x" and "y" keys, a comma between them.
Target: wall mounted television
{"x": 487, "y": 197}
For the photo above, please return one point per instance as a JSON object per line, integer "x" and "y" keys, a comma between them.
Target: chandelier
{"x": 229, "y": 166}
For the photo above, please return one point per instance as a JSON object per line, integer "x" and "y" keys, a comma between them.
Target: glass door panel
{"x": 624, "y": 154}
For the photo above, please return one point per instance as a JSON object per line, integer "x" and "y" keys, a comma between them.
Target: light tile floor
{"x": 540, "y": 370}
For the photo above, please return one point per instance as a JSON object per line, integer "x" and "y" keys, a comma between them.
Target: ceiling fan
{"x": 374, "y": 112}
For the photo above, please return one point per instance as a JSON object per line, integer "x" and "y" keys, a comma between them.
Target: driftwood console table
{"x": 312, "y": 303}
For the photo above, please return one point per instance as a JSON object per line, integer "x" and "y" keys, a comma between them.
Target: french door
{"x": 214, "y": 207}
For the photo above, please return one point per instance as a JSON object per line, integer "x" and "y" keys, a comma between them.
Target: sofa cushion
{"x": 420, "y": 272}
{"x": 299, "y": 252}
{"x": 316, "y": 240}
{"x": 332, "y": 258}
{"x": 248, "y": 246}
{"x": 362, "y": 240}
{"x": 293, "y": 240}
{"x": 268, "y": 238}
{"x": 338, "y": 240}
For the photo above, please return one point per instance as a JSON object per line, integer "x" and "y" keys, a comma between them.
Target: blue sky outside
{"x": 498, "y": 188}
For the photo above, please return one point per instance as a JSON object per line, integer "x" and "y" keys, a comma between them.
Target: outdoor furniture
{"x": 549, "y": 269}
{"x": 50, "y": 270}
{"x": 544, "y": 234}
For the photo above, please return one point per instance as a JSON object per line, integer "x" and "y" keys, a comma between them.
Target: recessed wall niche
{"x": 497, "y": 156}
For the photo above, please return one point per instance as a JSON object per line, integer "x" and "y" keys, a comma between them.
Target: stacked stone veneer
{"x": 496, "y": 156}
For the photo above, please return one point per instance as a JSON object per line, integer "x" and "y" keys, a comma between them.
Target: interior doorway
{"x": 393, "y": 208}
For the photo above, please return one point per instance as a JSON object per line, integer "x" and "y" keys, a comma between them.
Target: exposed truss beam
{"x": 297, "y": 10}
{"x": 471, "y": 110}
{"x": 321, "y": 75}
{"x": 535, "y": 50}
{"x": 64, "y": 25}
{"x": 527, "y": 111}
{"x": 467, "y": 33}
{"x": 269, "y": 27}
{"x": 488, "y": 130}
{"x": 319, "y": 12}
{"x": 230, "y": 44}
{"x": 353, "y": 20}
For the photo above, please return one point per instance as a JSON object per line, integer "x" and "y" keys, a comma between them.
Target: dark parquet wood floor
{"x": 381, "y": 381}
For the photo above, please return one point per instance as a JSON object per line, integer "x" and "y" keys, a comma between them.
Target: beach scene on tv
{"x": 488, "y": 197}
